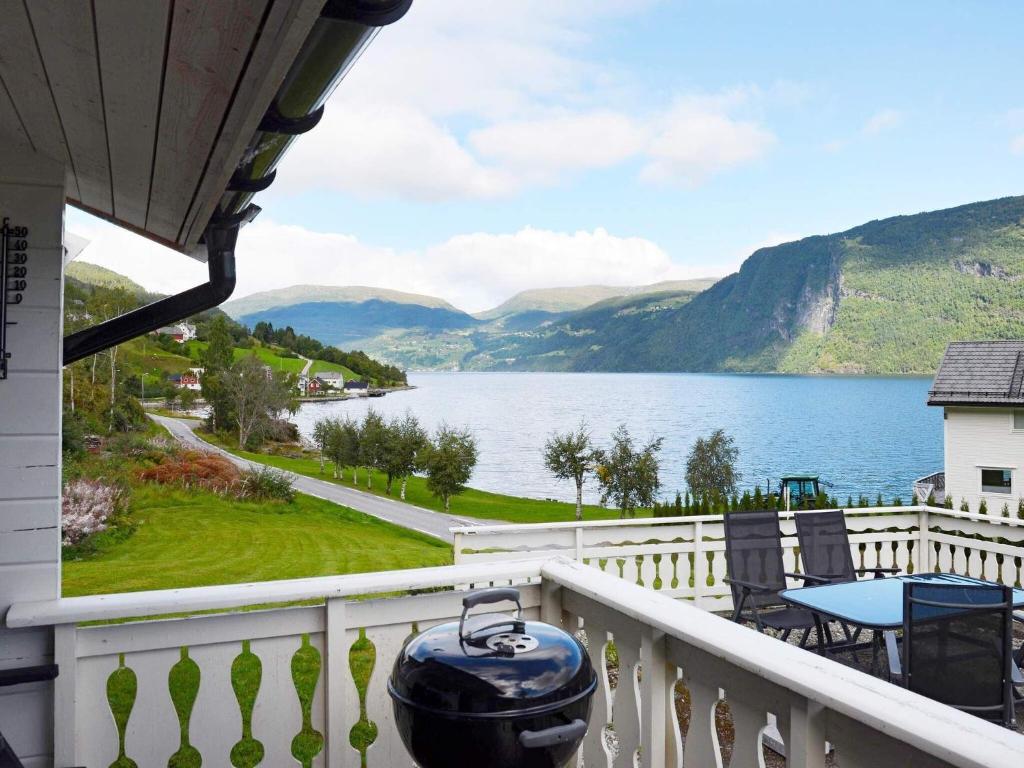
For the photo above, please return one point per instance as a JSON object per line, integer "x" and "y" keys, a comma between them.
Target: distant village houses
{"x": 181, "y": 332}
{"x": 190, "y": 380}
{"x": 332, "y": 379}
{"x": 358, "y": 388}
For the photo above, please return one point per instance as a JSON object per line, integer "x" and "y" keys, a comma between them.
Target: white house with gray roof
{"x": 980, "y": 387}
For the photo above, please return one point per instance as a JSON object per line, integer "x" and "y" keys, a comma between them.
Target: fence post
{"x": 336, "y": 662}
{"x": 924, "y": 541}
{"x": 457, "y": 548}
{"x": 579, "y": 543}
{"x": 551, "y": 603}
{"x": 65, "y": 655}
{"x": 700, "y": 564}
{"x": 654, "y": 691}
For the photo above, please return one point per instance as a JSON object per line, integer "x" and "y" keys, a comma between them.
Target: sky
{"x": 483, "y": 147}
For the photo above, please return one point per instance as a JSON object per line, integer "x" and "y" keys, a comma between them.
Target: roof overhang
{"x": 157, "y": 107}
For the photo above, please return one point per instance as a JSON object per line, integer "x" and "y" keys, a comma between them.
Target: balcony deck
{"x": 286, "y": 677}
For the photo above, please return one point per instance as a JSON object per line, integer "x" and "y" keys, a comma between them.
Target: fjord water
{"x": 861, "y": 434}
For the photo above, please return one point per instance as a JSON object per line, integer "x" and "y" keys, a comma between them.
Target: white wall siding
{"x": 32, "y": 195}
{"x": 982, "y": 437}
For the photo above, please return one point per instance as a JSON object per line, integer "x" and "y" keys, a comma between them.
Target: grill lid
{"x": 492, "y": 665}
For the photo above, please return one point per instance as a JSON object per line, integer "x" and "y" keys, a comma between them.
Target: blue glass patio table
{"x": 873, "y": 603}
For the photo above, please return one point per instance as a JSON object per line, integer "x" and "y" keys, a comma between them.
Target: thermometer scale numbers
{"x": 14, "y": 275}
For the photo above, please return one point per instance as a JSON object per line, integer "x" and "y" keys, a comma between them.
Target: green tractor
{"x": 799, "y": 491}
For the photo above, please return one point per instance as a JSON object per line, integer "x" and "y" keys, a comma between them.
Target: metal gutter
{"x": 220, "y": 244}
{"x": 343, "y": 31}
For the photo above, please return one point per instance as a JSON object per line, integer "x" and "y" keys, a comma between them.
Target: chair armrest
{"x": 753, "y": 586}
{"x": 808, "y": 577}
{"x": 1018, "y": 616}
{"x": 892, "y": 650}
{"x": 28, "y": 674}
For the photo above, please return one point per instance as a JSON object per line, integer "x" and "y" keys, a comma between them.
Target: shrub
{"x": 1006, "y": 510}
{"x": 983, "y": 507}
{"x": 931, "y": 499}
{"x": 264, "y": 483}
{"x": 964, "y": 506}
{"x": 193, "y": 469}
{"x": 86, "y": 507}
{"x": 1020, "y": 508}
{"x": 948, "y": 502}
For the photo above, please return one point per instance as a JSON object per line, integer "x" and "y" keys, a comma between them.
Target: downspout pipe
{"x": 220, "y": 244}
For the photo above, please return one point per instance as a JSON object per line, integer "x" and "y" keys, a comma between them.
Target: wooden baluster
{"x": 701, "y": 747}
{"x": 341, "y": 695}
{"x": 595, "y": 753}
{"x": 216, "y": 723}
{"x": 659, "y": 726}
{"x": 630, "y": 571}
{"x": 803, "y": 726}
{"x": 626, "y": 704}
{"x": 923, "y": 552}
{"x": 387, "y": 751}
{"x": 276, "y": 716}
{"x": 960, "y": 560}
{"x": 96, "y": 734}
{"x": 699, "y": 570}
{"x": 153, "y": 731}
{"x": 749, "y": 721}
{"x": 648, "y": 570}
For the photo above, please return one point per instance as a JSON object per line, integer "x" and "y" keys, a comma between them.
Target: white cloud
{"x": 568, "y": 142}
{"x": 473, "y": 271}
{"x": 881, "y": 121}
{"x": 696, "y": 141}
{"x": 1017, "y": 144}
{"x": 388, "y": 149}
{"x": 451, "y": 105}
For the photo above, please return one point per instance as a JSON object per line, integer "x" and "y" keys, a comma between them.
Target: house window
{"x": 1018, "y": 421}
{"x": 996, "y": 480}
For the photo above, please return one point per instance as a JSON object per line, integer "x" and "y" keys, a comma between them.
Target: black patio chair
{"x": 825, "y": 547}
{"x": 756, "y": 575}
{"x": 958, "y": 647}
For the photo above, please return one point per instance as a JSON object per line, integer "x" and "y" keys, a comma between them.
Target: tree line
{"x": 628, "y": 476}
{"x": 307, "y": 346}
{"x": 244, "y": 395}
{"x": 397, "y": 448}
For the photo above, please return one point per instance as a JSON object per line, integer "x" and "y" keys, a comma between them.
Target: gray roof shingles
{"x": 980, "y": 373}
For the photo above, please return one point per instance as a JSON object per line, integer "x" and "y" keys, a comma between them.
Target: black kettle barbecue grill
{"x": 492, "y": 691}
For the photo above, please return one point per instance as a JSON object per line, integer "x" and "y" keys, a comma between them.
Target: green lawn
{"x": 187, "y": 538}
{"x": 272, "y": 356}
{"x": 472, "y": 503}
{"x": 190, "y": 539}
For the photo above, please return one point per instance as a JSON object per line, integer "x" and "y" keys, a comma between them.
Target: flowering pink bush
{"x": 86, "y": 507}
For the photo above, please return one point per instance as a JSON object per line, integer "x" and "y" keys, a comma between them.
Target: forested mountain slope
{"x": 882, "y": 298}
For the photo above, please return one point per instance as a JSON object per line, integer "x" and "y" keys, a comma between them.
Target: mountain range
{"x": 881, "y": 298}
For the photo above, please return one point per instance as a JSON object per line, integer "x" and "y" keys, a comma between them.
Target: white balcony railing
{"x": 684, "y": 557}
{"x": 294, "y": 679}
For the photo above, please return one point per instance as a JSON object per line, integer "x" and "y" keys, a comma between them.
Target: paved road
{"x": 426, "y": 521}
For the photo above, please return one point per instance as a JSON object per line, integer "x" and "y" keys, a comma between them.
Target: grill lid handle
{"x": 492, "y": 595}
{"x": 549, "y": 737}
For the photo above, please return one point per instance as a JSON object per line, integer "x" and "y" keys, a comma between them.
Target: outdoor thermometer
{"x": 14, "y": 273}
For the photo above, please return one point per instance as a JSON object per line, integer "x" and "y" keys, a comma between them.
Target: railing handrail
{"x": 927, "y": 725}
{"x": 73, "y": 610}
{"x": 652, "y": 521}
